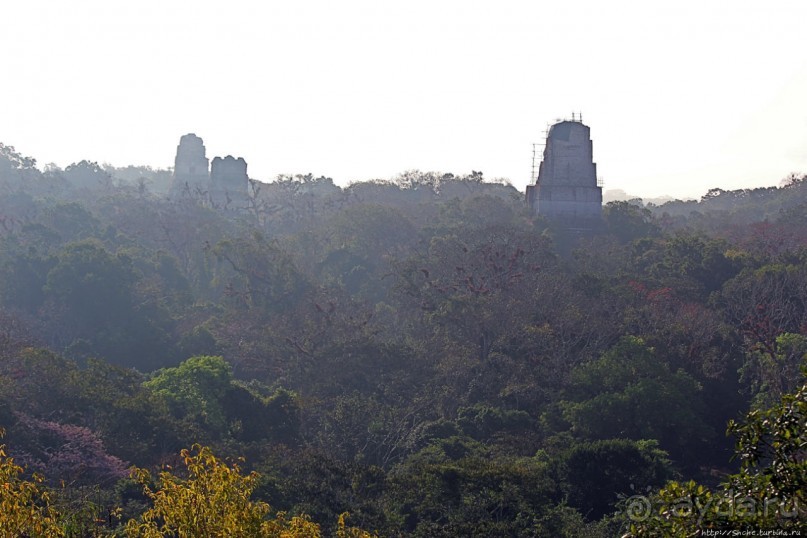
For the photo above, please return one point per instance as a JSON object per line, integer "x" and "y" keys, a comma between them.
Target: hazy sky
{"x": 680, "y": 96}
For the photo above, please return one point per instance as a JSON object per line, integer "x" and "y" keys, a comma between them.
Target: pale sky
{"x": 680, "y": 96}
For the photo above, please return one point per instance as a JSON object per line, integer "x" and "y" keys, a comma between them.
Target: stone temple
{"x": 223, "y": 183}
{"x": 229, "y": 182}
{"x": 191, "y": 172}
{"x": 567, "y": 188}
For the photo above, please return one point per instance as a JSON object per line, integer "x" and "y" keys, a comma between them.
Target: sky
{"x": 680, "y": 96}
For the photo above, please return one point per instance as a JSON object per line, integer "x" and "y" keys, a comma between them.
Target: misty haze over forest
{"x": 424, "y": 354}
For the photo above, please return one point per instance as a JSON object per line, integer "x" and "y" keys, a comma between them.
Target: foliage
{"x": 215, "y": 501}
{"x": 195, "y": 389}
{"x": 767, "y": 493}
{"x": 770, "y": 447}
{"x": 772, "y": 373}
{"x": 592, "y": 475}
{"x": 454, "y": 488}
{"x": 74, "y": 453}
{"x": 629, "y": 393}
{"x": 24, "y": 507}
{"x": 256, "y": 273}
{"x": 90, "y": 283}
{"x": 422, "y": 353}
{"x": 628, "y": 221}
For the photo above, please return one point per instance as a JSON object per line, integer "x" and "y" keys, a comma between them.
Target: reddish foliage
{"x": 64, "y": 452}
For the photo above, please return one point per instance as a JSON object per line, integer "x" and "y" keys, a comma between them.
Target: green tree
{"x": 629, "y": 393}
{"x": 202, "y": 394}
{"x": 691, "y": 265}
{"x": 87, "y": 175}
{"x": 361, "y": 242}
{"x": 773, "y": 373}
{"x": 593, "y": 474}
{"x": 628, "y": 221}
{"x": 214, "y": 501}
{"x": 16, "y": 170}
{"x": 256, "y": 273}
{"x": 92, "y": 285}
{"x": 454, "y": 487}
{"x": 71, "y": 221}
{"x": 23, "y": 272}
{"x": 195, "y": 389}
{"x": 769, "y": 492}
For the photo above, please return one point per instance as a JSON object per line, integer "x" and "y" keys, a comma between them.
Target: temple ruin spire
{"x": 567, "y": 187}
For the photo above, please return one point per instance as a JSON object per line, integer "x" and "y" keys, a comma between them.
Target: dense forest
{"x": 421, "y": 353}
